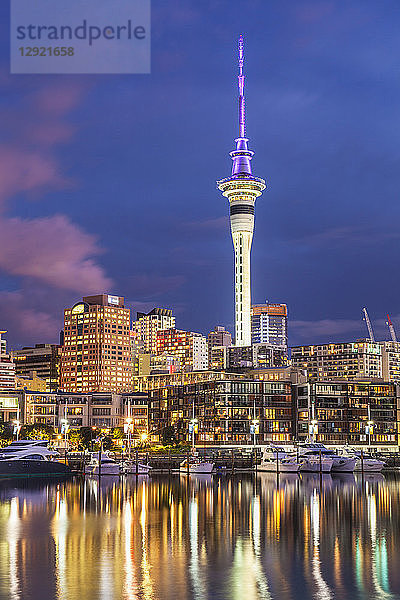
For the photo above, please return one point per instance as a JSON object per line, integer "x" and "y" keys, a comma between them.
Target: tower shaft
{"x": 242, "y": 189}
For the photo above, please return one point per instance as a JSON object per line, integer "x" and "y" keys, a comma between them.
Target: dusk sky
{"x": 108, "y": 183}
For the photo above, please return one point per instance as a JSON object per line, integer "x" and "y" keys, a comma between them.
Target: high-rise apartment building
{"x": 7, "y": 367}
{"x": 218, "y": 337}
{"x": 391, "y": 361}
{"x": 357, "y": 360}
{"x": 269, "y": 324}
{"x": 147, "y": 325}
{"x": 242, "y": 189}
{"x": 96, "y": 356}
{"x": 42, "y": 359}
{"x": 188, "y": 347}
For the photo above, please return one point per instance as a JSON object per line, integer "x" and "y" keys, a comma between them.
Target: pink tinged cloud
{"x": 53, "y": 250}
{"x": 25, "y": 171}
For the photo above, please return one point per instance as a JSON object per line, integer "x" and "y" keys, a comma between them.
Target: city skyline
{"x": 83, "y": 216}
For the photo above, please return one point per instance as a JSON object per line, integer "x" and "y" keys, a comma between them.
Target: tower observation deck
{"x": 242, "y": 189}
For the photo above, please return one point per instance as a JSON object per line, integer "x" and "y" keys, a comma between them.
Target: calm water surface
{"x": 201, "y": 538}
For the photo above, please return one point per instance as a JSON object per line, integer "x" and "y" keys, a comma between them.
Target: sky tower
{"x": 242, "y": 189}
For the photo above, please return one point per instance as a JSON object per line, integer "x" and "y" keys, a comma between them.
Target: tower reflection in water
{"x": 198, "y": 538}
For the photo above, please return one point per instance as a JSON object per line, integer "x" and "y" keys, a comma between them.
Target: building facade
{"x": 391, "y": 361}
{"x": 242, "y": 189}
{"x": 7, "y": 367}
{"x": 360, "y": 359}
{"x": 147, "y": 325}
{"x": 189, "y": 348}
{"x": 224, "y": 411}
{"x": 100, "y": 410}
{"x": 219, "y": 337}
{"x": 42, "y": 359}
{"x": 256, "y": 356}
{"x": 338, "y": 413}
{"x": 96, "y": 355}
{"x": 269, "y": 324}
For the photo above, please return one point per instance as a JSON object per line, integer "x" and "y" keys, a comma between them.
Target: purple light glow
{"x": 242, "y": 113}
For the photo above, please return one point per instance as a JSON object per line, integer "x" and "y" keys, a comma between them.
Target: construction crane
{"x": 369, "y": 326}
{"x": 391, "y": 329}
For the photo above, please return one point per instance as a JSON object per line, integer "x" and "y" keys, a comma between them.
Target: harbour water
{"x": 195, "y": 538}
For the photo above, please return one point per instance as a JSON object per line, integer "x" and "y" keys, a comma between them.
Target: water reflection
{"x": 253, "y": 537}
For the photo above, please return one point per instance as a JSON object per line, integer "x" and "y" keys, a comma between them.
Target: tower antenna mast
{"x": 242, "y": 110}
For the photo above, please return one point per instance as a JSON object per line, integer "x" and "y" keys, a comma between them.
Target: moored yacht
{"x": 131, "y": 467}
{"x": 30, "y": 458}
{"x": 364, "y": 462}
{"x": 196, "y": 465}
{"x": 102, "y": 464}
{"x": 276, "y": 459}
{"x": 317, "y": 453}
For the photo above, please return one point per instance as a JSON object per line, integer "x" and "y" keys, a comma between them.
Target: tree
{"x": 168, "y": 435}
{"x": 37, "y": 431}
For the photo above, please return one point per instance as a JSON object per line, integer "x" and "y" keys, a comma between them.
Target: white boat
{"x": 315, "y": 453}
{"x": 28, "y": 458}
{"x": 130, "y": 467}
{"x": 196, "y": 466}
{"x": 275, "y": 459}
{"x": 365, "y": 463}
{"x": 108, "y": 466}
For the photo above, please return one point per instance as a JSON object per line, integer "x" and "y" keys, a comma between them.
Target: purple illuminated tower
{"x": 242, "y": 189}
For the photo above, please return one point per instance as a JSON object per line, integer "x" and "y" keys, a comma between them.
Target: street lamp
{"x": 17, "y": 428}
{"x": 254, "y": 429}
{"x": 313, "y": 429}
{"x": 128, "y": 428}
{"x": 369, "y": 430}
{"x": 193, "y": 428}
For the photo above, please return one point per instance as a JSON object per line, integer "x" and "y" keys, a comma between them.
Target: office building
{"x": 242, "y": 189}
{"x": 147, "y": 325}
{"x": 96, "y": 356}
{"x": 269, "y": 324}
{"x": 188, "y": 347}
{"x": 218, "y": 337}
{"x": 357, "y": 360}
{"x": 42, "y": 359}
{"x": 7, "y": 366}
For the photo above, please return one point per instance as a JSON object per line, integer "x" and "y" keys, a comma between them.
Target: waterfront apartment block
{"x": 12, "y": 405}
{"x": 96, "y": 355}
{"x": 225, "y": 411}
{"x": 187, "y": 347}
{"x": 42, "y": 359}
{"x": 103, "y": 411}
{"x": 360, "y": 359}
{"x": 269, "y": 324}
{"x": 147, "y": 325}
{"x": 359, "y": 413}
